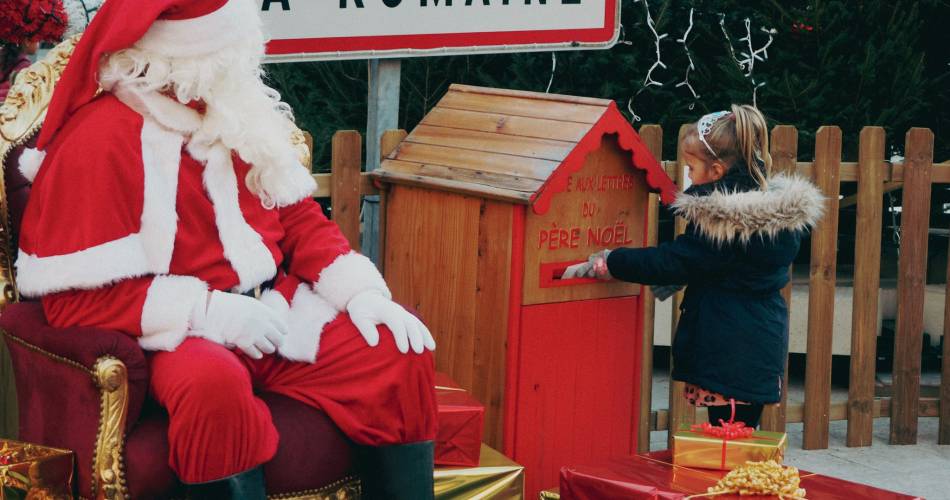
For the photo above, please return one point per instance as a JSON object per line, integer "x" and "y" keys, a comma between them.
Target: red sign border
{"x": 358, "y": 47}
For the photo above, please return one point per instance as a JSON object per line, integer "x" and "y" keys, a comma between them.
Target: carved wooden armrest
{"x": 108, "y": 469}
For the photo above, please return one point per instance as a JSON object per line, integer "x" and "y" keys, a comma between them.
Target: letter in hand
{"x": 595, "y": 267}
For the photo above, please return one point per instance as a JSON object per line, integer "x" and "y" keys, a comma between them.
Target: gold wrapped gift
{"x": 496, "y": 476}
{"x": 34, "y": 472}
{"x": 695, "y": 449}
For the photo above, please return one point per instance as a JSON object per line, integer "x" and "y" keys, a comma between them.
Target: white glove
{"x": 595, "y": 267}
{"x": 239, "y": 321}
{"x": 370, "y": 308}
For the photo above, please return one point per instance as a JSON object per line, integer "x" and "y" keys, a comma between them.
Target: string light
{"x": 748, "y": 63}
{"x": 691, "y": 66}
{"x": 623, "y": 36}
{"x": 649, "y": 81}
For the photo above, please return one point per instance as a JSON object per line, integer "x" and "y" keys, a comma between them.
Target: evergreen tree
{"x": 849, "y": 63}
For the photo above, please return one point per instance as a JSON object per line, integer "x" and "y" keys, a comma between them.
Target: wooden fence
{"x": 346, "y": 184}
{"x": 874, "y": 177}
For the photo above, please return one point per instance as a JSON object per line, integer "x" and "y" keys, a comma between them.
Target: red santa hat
{"x": 175, "y": 28}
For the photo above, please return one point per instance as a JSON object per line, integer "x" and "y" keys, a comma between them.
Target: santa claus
{"x": 171, "y": 206}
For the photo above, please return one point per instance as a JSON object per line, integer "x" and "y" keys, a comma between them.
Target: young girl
{"x": 744, "y": 229}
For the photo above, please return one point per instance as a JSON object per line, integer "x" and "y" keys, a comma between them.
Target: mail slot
{"x": 552, "y": 274}
{"x": 486, "y": 202}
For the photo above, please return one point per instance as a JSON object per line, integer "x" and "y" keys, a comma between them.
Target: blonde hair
{"x": 741, "y": 135}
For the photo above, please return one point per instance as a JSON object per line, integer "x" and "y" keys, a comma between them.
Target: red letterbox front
{"x": 491, "y": 198}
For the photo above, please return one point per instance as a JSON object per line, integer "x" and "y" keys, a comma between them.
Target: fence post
{"x": 652, "y": 136}
{"x": 867, "y": 281}
{"x": 784, "y": 151}
{"x": 912, "y": 273}
{"x": 345, "y": 185}
{"x": 680, "y": 410}
{"x": 821, "y": 295}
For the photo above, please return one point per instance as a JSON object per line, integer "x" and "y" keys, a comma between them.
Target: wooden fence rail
{"x": 874, "y": 177}
{"x": 346, "y": 184}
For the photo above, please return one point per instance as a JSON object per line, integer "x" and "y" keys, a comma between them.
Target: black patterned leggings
{"x": 750, "y": 414}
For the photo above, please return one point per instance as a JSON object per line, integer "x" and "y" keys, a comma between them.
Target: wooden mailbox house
{"x": 487, "y": 201}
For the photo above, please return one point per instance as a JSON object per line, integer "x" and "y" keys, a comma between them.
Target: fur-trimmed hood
{"x": 725, "y": 214}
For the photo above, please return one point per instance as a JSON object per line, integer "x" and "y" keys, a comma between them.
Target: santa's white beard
{"x": 241, "y": 111}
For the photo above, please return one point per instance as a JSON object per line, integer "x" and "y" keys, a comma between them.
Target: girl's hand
{"x": 595, "y": 267}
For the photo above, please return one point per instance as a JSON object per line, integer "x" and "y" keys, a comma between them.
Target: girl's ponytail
{"x": 752, "y": 140}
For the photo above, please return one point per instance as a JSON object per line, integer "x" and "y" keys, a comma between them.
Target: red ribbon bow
{"x": 725, "y": 431}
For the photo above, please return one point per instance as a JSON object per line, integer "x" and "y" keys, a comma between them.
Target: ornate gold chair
{"x": 86, "y": 389}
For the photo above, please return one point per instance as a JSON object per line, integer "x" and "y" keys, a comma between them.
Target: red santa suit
{"x": 129, "y": 226}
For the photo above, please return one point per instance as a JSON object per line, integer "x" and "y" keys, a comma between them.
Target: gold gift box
{"x": 496, "y": 476}
{"x": 695, "y": 449}
{"x": 34, "y": 472}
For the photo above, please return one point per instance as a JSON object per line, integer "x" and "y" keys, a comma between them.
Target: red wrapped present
{"x": 459, "y": 440}
{"x": 34, "y": 472}
{"x": 653, "y": 476}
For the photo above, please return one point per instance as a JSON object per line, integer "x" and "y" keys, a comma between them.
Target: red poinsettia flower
{"x": 24, "y": 21}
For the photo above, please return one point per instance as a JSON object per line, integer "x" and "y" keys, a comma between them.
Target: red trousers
{"x": 376, "y": 395}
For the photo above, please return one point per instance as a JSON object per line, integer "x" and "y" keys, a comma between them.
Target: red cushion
{"x": 25, "y": 321}
{"x": 147, "y": 472}
{"x": 57, "y": 390}
{"x": 58, "y": 407}
{"x": 312, "y": 452}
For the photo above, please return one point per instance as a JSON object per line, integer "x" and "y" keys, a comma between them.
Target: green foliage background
{"x": 848, "y": 63}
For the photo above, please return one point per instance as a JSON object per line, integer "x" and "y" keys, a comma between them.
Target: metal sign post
{"x": 384, "y": 80}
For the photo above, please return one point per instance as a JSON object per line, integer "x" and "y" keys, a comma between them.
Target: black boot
{"x": 399, "y": 472}
{"x": 247, "y": 485}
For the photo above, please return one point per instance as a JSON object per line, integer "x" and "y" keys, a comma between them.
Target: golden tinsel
{"x": 761, "y": 478}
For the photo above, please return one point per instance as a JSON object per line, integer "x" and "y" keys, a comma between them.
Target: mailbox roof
{"x": 513, "y": 145}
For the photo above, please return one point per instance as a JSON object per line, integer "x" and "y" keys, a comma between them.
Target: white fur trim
{"x": 161, "y": 155}
{"x": 791, "y": 203}
{"x": 166, "y": 111}
{"x": 347, "y": 276}
{"x": 30, "y": 162}
{"x": 90, "y": 268}
{"x": 306, "y": 317}
{"x": 168, "y": 309}
{"x": 243, "y": 247}
{"x": 147, "y": 252}
{"x": 202, "y": 35}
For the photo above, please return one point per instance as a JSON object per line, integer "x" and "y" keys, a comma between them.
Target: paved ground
{"x": 922, "y": 469}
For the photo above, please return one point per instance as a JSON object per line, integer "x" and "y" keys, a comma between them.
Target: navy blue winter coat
{"x": 732, "y": 337}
